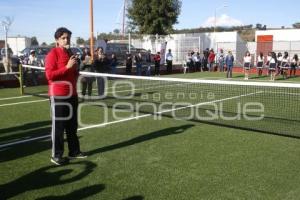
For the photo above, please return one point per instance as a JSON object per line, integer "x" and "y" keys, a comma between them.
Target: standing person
{"x": 269, "y": 57}
{"x": 294, "y": 65}
{"x": 272, "y": 67}
{"x": 86, "y": 81}
{"x": 211, "y": 60}
{"x": 101, "y": 66}
{"x": 32, "y": 60}
{"x": 169, "y": 60}
{"x": 260, "y": 63}
{"x": 189, "y": 61}
{"x": 157, "y": 64}
{"x": 279, "y": 63}
{"x": 247, "y": 64}
{"x": 205, "y": 59}
{"x": 62, "y": 75}
{"x": 192, "y": 63}
{"x": 221, "y": 59}
{"x": 128, "y": 63}
{"x": 229, "y": 59}
{"x": 113, "y": 63}
{"x": 148, "y": 62}
{"x": 285, "y": 65}
{"x": 138, "y": 62}
{"x": 197, "y": 60}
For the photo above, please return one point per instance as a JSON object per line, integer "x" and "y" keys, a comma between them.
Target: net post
{"x": 20, "y": 78}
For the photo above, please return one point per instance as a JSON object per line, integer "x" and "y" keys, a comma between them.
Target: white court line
{"x": 296, "y": 94}
{"x": 19, "y": 97}
{"x": 23, "y": 102}
{"x": 129, "y": 119}
{"x": 80, "y": 129}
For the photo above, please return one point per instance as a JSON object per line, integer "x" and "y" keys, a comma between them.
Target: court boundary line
{"x": 131, "y": 118}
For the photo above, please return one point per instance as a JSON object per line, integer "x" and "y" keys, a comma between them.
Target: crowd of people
{"x": 276, "y": 64}
{"x": 210, "y": 61}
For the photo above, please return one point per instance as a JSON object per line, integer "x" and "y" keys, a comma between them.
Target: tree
{"x": 34, "y": 41}
{"x": 296, "y": 25}
{"x": 44, "y": 44}
{"x": 258, "y": 26}
{"x": 80, "y": 41}
{"x": 116, "y": 31}
{"x": 153, "y": 16}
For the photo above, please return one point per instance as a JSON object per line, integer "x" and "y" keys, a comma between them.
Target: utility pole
{"x": 91, "y": 30}
{"x": 6, "y": 24}
{"x": 124, "y": 18}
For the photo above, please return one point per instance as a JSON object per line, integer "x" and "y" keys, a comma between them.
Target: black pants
{"x": 156, "y": 69}
{"x": 101, "y": 86}
{"x": 87, "y": 84}
{"x": 169, "y": 66}
{"x": 128, "y": 69}
{"x": 198, "y": 66}
{"x": 64, "y": 120}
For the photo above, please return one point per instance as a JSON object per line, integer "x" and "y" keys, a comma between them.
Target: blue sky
{"x": 40, "y": 18}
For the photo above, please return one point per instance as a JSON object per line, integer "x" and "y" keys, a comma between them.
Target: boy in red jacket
{"x": 62, "y": 74}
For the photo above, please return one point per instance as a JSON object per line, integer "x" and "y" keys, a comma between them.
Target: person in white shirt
{"x": 260, "y": 63}
{"x": 221, "y": 60}
{"x": 272, "y": 67}
{"x": 294, "y": 65}
{"x": 285, "y": 64}
{"x": 169, "y": 60}
{"x": 247, "y": 63}
{"x": 197, "y": 61}
{"x": 32, "y": 60}
{"x": 189, "y": 60}
{"x": 279, "y": 62}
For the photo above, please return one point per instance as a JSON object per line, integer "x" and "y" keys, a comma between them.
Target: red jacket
{"x": 61, "y": 81}
{"x": 211, "y": 57}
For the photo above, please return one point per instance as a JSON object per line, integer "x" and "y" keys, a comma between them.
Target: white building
{"x": 279, "y": 40}
{"x": 181, "y": 44}
{"x": 18, "y": 43}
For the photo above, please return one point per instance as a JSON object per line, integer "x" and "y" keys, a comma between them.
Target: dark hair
{"x": 274, "y": 56}
{"x": 60, "y": 31}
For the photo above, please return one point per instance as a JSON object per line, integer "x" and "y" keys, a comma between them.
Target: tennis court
{"x": 183, "y": 137}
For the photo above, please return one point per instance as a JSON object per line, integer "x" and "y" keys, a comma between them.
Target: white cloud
{"x": 223, "y": 20}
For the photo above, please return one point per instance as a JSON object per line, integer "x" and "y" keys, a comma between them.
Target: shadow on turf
{"x": 51, "y": 176}
{"x": 24, "y": 127}
{"x": 25, "y": 149}
{"x": 143, "y": 138}
{"x": 77, "y": 194}
{"x": 18, "y": 151}
{"x": 25, "y": 134}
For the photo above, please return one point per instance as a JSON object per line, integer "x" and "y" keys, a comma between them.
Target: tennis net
{"x": 260, "y": 106}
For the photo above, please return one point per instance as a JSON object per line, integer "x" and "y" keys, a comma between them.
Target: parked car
{"x": 120, "y": 50}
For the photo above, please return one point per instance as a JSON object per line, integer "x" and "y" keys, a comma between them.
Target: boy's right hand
{"x": 71, "y": 62}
